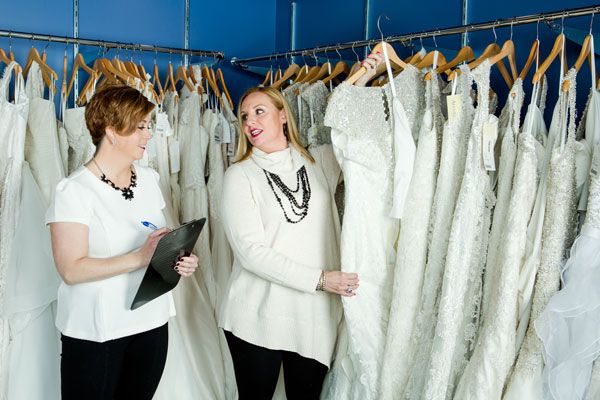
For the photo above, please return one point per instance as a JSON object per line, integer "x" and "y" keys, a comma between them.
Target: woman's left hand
{"x": 186, "y": 266}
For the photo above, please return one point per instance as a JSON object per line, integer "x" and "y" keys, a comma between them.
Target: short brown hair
{"x": 244, "y": 148}
{"x": 117, "y": 106}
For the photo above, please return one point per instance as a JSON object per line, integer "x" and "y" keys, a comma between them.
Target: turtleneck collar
{"x": 283, "y": 161}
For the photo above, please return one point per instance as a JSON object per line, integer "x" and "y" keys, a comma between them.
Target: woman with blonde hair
{"x": 282, "y": 306}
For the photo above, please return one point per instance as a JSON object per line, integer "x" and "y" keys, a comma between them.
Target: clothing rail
{"x": 528, "y": 19}
{"x": 109, "y": 44}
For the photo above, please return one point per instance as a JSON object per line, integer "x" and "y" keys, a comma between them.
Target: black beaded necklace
{"x": 126, "y": 192}
{"x": 300, "y": 210}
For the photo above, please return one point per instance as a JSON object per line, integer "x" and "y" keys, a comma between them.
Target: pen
{"x": 150, "y": 225}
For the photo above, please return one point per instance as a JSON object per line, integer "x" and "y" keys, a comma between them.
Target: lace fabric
{"x": 412, "y": 244}
{"x": 465, "y": 259}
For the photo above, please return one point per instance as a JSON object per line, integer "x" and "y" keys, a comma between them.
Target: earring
{"x": 113, "y": 141}
{"x": 285, "y": 129}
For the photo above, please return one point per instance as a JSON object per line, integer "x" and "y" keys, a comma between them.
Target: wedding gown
{"x": 460, "y": 295}
{"x": 412, "y": 245}
{"x": 363, "y": 146}
{"x": 558, "y": 231}
{"x": 29, "y": 347}
{"x": 42, "y": 149}
{"x": 452, "y": 161}
{"x": 494, "y": 352}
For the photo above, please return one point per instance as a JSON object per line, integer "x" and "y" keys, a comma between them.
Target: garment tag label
{"x": 454, "y": 106}
{"x": 490, "y": 134}
{"x": 174, "y": 157}
{"x": 226, "y": 138}
{"x": 230, "y": 150}
{"x": 163, "y": 127}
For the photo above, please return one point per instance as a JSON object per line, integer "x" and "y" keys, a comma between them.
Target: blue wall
{"x": 236, "y": 27}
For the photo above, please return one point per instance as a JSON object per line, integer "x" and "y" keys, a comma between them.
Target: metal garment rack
{"x": 110, "y": 45}
{"x": 404, "y": 39}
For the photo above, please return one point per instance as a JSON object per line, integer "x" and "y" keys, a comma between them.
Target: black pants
{"x": 125, "y": 368}
{"x": 257, "y": 369}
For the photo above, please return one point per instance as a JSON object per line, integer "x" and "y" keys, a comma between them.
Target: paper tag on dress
{"x": 490, "y": 134}
{"x": 163, "y": 127}
{"x": 226, "y": 136}
{"x": 454, "y": 106}
{"x": 174, "y": 157}
{"x": 230, "y": 150}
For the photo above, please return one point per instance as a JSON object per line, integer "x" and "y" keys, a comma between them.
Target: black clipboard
{"x": 160, "y": 277}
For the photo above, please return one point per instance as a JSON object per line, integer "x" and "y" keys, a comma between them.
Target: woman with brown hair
{"x": 283, "y": 301}
{"x": 102, "y": 250}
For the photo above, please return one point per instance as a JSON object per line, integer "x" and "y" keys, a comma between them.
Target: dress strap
{"x": 593, "y": 60}
{"x": 389, "y": 69}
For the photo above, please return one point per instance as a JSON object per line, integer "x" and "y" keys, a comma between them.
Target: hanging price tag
{"x": 174, "y": 157}
{"x": 163, "y": 127}
{"x": 454, "y": 106}
{"x": 226, "y": 137}
{"x": 490, "y": 134}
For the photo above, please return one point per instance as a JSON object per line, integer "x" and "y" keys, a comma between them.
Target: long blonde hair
{"x": 244, "y": 148}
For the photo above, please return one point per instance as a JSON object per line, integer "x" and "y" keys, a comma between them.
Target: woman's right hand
{"x": 371, "y": 63}
{"x": 342, "y": 283}
{"x": 147, "y": 250}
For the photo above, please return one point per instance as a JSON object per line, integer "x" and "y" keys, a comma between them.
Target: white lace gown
{"x": 412, "y": 245}
{"x": 363, "y": 147}
{"x": 494, "y": 351}
{"x": 461, "y": 287}
{"x": 508, "y": 127}
{"x": 42, "y": 149}
{"x": 452, "y": 162}
{"x": 558, "y": 233}
{"x": 29, "y": 347}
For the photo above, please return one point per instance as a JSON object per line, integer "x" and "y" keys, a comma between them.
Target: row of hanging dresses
{"x": 29, "y": 342}
{"x": 363, "y": 143}
{"x": 405, "y": 353}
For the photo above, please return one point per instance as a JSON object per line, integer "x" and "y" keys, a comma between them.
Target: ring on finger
{"x": 348, "y": 290}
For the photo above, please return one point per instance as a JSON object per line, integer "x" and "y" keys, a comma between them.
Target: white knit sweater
{"x": 271, "y": 299}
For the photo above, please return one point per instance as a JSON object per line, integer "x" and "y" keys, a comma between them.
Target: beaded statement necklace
{"x": 126, "y": 192}
{"x": 300, "y": 211}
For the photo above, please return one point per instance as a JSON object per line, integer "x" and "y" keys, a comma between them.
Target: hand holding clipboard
{"x": 160, "y": 276}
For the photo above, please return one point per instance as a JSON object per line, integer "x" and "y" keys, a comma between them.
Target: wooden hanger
{"x": 221, "y": 79}
{"x": 464, "y": 55}
{"x": 63, "y": 86}
{"x": 490, "y": 51}
{"x": 533, "y": 52}
{"x": 395, "y": 61}
{"x": 191, "y": 75}
{"x": 79, "y": 63}
{"x": 556, "y": 50}
{"x": 584, "y": 54}
{"x": 289, "y": 73}
{"x": 267, "y": 78}
{"x": 181, "y": 75}
{"x": 320, "y": 74}
{"x": 340, "y": 68}
{"x": 156, "y": 82}
{"x": 427, "y": 61}
{"x": 507, "y": 51}
{"x": 48, "y": 74}
{"x": 304, "y": 71}
{"x": 278, "y": 75}
{"x": 169, "y": 80}
{"x": 6, "y": 59}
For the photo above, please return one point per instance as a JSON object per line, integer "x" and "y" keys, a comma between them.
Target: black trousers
{"x": 257, "y": 370}
{"x": 125, "y": 368}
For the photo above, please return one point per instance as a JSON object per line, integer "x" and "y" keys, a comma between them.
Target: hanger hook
{"x": 355, "y": 53}
{"x": 562, "y": 23}
{"x": 435, "y": 41}
{"x": 421, "y": 40}
{"x": 379, "y": 26}
{"x": 537, "y": 29}
{"x": 494, "y": 30}
{"x": 511, "y": 28}
{"x": 592, "y": 21}
{"x": 47, "y": 44}
{"x": 337, "y": 50}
